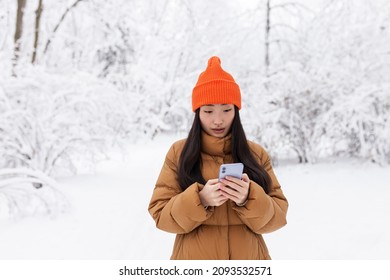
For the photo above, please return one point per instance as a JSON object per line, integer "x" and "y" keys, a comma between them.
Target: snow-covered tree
{"x": 358, "y": 126}
{"x": 351, "y": 69}
{"x": 340, "y": 52}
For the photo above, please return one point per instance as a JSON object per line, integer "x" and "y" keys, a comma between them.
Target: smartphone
{"x": 231, "y": 169}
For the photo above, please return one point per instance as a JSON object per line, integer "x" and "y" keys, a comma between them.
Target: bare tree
{"x": 267, "y": 33}
{"x": 59, "y": 24}
{"x": 291, "y": 8}
{"x": 18, "y": 31}
{"x": 38, "y": 14}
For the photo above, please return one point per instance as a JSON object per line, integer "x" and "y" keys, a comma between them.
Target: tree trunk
{"x": 267, "y": 31}
{"x": 18, "y": 32}
{"x": 38, "y": 14}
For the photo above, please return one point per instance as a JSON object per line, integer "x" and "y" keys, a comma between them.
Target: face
{"x": 216, "y": 119}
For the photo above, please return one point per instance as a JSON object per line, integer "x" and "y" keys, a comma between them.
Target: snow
{"x": 338, "y": 210}
{"x": 122, "y": 71}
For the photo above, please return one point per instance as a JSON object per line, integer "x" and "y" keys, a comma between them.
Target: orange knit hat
{"x": 215, "y": 86}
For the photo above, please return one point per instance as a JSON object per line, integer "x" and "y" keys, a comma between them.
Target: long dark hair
{"x": 189, "y": 170}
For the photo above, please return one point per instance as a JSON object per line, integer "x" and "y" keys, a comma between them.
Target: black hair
{"x": 190, "y": 161}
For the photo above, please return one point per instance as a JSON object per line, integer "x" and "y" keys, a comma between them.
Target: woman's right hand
{"x": 211, "y": 195}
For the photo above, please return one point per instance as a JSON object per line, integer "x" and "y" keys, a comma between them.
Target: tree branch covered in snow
{"x": 24, "y": 192}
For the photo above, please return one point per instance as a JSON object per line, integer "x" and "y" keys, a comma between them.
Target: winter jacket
{"x": 224, "y": 232}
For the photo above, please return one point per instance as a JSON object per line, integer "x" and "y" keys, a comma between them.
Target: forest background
{"x": 81, "y": 80}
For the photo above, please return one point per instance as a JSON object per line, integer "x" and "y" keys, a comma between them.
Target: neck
{"x": 216, "y": 146}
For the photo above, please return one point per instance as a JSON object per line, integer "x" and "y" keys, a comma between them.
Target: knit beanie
{"x": 215, "y": 86}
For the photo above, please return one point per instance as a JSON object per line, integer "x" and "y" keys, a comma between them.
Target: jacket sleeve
{"x": 264, "y": 213}
{"x": 172, "y": 209}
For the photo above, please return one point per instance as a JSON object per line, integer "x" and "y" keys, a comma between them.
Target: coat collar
{"x": 215, "y": 146}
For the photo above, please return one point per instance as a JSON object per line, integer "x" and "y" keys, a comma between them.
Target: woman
{"x": 217, "y": 219}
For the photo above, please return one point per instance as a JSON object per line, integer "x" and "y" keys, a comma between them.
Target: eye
{"x": 207, "y": 111}
{"x": 227, "y": 110}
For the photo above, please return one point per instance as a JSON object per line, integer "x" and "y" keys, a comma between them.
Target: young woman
{"x": 217, "y": 219}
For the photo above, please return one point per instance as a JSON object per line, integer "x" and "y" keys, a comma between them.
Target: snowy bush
{"x": 24, "y": 192}
{"x": 288, "y": 110}
{"x": 54, "y": 124}
{"x": 49, "y": 120}
{"x": 314, "y": 117}
{"x": 359, "y": 125}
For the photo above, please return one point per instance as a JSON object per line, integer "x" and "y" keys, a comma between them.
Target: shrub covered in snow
{"x": 52, "y": 123}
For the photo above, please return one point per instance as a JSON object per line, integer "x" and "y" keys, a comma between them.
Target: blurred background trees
{"x": 78, "y": 77}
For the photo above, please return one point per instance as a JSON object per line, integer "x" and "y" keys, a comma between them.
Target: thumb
{"x": 245, "y": 177}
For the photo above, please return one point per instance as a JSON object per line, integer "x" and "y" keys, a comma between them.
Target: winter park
{"x": 94, "y": 93}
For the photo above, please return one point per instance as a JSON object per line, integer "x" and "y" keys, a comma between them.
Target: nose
{"x": 218, "y": 120}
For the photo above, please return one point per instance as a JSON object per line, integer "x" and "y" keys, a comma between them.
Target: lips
{"x": 218, "y": 130}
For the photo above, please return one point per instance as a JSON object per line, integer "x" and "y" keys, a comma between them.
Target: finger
{"x": 242, "y": 183}
{"x": 235, "y": 180}
{"x": 245, "y": 177}
{"x": 232, "y": 197}
{"x": 237, "y": 194}
{"x": 212, "y": 181}
{"x": 213, "y": 184}
{"x": 220, "y": 200}
{"x": 232, "y": 184}
{"x": 226, "y": 191}
{"x": 223, "y": 198}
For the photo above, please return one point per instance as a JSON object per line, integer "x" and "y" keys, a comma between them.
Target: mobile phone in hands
{"x": 231, "y": 169}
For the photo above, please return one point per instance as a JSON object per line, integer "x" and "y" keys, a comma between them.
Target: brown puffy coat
{"x": 224, "y": 232}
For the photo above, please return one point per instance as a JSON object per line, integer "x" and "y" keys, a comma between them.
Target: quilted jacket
{"x": 224, "y": 232}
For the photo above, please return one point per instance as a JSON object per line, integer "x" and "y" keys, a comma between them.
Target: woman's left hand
{"x": 236, "y": 189}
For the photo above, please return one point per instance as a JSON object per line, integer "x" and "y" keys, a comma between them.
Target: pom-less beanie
{"x": 215, "y": 86}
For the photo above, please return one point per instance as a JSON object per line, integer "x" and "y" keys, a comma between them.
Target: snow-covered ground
{"x": 338, "y": 210}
